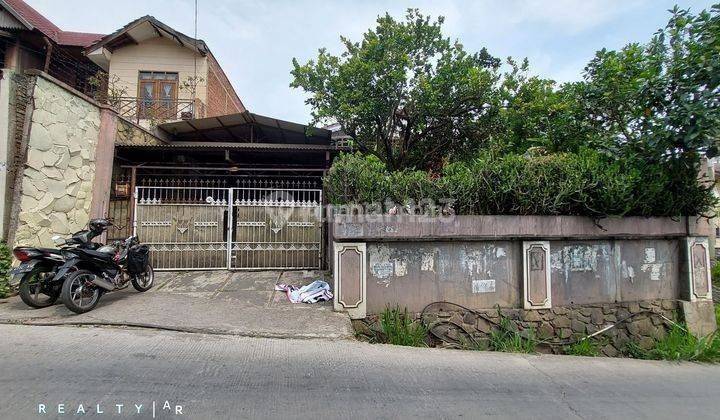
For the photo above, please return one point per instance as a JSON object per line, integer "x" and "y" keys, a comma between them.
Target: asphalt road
{"x": 236, "y": 377}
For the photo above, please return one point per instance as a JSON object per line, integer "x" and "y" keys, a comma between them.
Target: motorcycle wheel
{"x": 33, "y": 293}
{"x": 143, "y": 282}
{"x": 78, "y": 293}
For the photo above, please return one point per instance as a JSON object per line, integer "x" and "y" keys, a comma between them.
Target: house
{"x": 158, "y": 74}
{"x": 154, "y": 136}
{"x": 28, "y": 40}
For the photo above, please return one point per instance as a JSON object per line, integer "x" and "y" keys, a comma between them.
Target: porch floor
{"x": 224, "y": 302}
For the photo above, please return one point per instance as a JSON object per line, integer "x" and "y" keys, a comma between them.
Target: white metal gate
{"x": 257, "y": 225}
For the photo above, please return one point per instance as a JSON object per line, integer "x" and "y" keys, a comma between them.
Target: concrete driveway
{"x": 216, "y": 302}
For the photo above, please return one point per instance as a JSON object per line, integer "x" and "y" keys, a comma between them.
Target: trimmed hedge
{"x": 586, "y": 183}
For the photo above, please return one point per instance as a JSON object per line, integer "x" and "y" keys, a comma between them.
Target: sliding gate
{"x": 257, "y": 225}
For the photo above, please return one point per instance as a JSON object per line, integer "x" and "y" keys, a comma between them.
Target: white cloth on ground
{"x": 317, "y": 291}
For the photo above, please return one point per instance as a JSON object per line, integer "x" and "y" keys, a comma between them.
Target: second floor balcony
{"x": 157, "y": 111}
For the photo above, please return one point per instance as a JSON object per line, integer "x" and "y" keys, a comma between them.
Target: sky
{"x": 255, "y": 40}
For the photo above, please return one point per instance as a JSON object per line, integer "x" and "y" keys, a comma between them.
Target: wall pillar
{"x": 349, "y": 272}
{"x": 696, "y": 269}
{"x": 536, "y": 275}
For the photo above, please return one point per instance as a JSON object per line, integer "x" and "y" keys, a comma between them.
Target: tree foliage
{"x": 632, "y": 132}
{"x": 405, "y": 92}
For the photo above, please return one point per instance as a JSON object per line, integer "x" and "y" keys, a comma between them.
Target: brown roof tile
{"x": 49, "y": 29}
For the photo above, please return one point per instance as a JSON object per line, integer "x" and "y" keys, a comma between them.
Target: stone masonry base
{"x": 642, "y": 323}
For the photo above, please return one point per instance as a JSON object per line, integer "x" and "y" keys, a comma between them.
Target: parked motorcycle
{"x": 92, "y": 273}
{"x": 35, "y": 277}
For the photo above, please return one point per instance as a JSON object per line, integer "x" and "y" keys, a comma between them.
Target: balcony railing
{"x": 158, "y": 110}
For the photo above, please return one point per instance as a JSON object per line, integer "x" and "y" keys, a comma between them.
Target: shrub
{"x": 586, "y": 183}
{"x": 5, "y": 264}
{"x": 399, "y": 328}
{"x": 505, "y": 338}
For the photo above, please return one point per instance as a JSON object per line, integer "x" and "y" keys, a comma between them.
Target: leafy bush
{"x": 585, "y": 183}
{"x": 400, "y": 329}
{"x": 586, "y": 347}
{"x": 5, "y": 264}
{"x": 680, "y": 344}
{"x": 506, "y": 338}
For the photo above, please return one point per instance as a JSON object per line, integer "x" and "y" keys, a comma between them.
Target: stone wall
{"x": 132, "y": 135}
{"x": 57, "y": 180}
{"x": 640, "y": 323}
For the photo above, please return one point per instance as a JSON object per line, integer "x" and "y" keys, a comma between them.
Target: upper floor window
{"x": 158, "y": 93}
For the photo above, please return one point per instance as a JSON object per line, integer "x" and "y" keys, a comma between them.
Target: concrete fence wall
{"x": 525, "y": 262}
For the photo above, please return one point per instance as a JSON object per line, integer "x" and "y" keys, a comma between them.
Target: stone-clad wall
{"x": 640, "y": 323}
{"x": 130, "y": 134}
{"x": 56, "y": 189}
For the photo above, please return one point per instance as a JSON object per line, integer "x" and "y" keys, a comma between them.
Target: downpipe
{"x": 103, "y": 283}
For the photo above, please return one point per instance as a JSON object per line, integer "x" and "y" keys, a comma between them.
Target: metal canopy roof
{"x": 246, "y": 127}
{"x": 201, "y": 145}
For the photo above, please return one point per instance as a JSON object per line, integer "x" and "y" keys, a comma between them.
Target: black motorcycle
{"x": 92, "y": 273}
{"x": 35, "y": 277}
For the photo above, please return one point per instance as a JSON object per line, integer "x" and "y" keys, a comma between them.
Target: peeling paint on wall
{"x": 479, "y": 262}
{"x": 654, "y": 270}
{"x": 627, "y": 271}
{"x": 483, "y": 286}
{"x": 400, "y": 268}
{"x": 649, "y": 255}
{"x": 650, "y": 264}
{"x": 428, "y": 262}
{"x": 380, "y": 265}
{"x": 578, "y": 258}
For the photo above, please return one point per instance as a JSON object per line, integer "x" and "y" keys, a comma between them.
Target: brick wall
{"x": 221, "y": 97}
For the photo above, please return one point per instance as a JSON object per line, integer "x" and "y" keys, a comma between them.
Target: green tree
{"x": 406, "y": 93}
{"x": 536, "y": 113}
{"x": 660, "y": 100}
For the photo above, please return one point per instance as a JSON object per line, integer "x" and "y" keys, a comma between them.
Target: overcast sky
{"x": 255, "y": 40}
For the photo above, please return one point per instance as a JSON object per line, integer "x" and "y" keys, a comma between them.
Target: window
{"x": 158, "y": 94}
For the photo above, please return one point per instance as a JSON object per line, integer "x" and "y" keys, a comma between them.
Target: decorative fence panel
{"x": 257, "y": 225}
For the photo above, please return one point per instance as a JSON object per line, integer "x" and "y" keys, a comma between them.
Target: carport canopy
{"x": 246, "y": 127}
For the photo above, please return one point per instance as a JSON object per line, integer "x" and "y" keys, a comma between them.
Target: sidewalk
{"x": 217, "y": 302}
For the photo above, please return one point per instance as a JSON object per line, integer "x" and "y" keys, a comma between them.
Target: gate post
{"x": 229, "y": 228}
{"x": 349, "y": 273}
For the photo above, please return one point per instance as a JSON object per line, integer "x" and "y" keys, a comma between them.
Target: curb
{"x": 189, "y": 330}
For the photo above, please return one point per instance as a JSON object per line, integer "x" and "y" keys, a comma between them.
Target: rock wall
{"x": 130, "y": 134}
{"x": 640, "y": 323}
{"x": 57, "y": 181}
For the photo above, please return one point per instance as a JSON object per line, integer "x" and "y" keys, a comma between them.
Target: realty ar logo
{"x": 144, "y": 409}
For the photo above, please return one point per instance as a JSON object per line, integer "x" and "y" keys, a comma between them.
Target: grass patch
{"x": 505, "y": 338}
{"x": 715, "y": 274}
{"x": 585, "y": 347}
{"x": 399, "y": 328}
{"x": 679, "y": 344}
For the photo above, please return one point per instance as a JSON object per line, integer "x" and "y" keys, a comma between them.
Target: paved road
{"x": 239, "y": 377}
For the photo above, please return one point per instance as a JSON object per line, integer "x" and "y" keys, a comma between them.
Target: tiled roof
{"x": 78, "y": 39}
{"x": 49, "y": 29}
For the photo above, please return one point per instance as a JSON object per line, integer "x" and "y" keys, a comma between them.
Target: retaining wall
{"x": 528, "y": 262}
